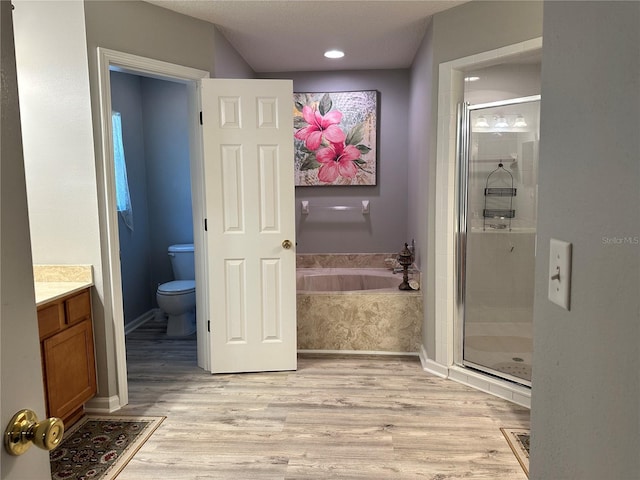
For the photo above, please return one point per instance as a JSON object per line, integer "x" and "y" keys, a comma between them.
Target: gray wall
{"x": 126, "y": 98}
{"x": 585, "y": 404}
{"x": 476, "y": 27}
{"x": 385, "y": 229}
{"x": 166, "y": 146}
{"x": 156, "y": 143}
{"x": 421, "y": 204}
{"x": 150, "y": 31}
{"x": 469, "y": 29}
{"x": 228, "y": 62}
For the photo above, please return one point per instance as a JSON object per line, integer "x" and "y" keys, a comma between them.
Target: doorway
{"x": 154, "y": 175}
{"x": 110, "y": 60}
{"x": 155, "y": 162}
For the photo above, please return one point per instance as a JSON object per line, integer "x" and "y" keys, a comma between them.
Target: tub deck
{"x": 347, "y": 280}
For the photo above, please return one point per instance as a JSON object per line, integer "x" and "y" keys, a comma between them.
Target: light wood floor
{"x": 349, "y": 417}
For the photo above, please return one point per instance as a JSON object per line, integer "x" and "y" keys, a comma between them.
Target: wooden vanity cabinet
{"x": 68, "y": 359}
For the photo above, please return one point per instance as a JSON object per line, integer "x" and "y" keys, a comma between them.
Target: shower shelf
{"x": 500, "y": 192}
{"x": 498, "y": 198}
{"x": 497, "y": 213}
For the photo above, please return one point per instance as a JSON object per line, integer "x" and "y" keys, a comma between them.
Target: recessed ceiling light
{"x": 334, "y": 54}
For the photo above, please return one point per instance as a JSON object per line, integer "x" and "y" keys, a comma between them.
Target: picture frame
{"x": 335, "y": 138}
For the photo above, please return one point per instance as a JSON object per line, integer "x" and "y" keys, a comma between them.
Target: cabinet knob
{"x": 25, "y": 429}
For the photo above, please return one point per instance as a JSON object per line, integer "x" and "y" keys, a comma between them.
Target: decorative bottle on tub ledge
{"x": 405, "y": 259}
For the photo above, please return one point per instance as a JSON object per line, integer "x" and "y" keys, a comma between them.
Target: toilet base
{"x": 181, "y": 325}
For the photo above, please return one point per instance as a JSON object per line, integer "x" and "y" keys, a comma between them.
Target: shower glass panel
{"x": 498, "y": 223}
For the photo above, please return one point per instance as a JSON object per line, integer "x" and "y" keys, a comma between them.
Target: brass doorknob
{"x": 286, "y": 244}
{"x": 25, "y": 429}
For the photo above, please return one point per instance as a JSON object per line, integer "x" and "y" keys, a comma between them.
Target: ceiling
{"x": 292, "y": 35}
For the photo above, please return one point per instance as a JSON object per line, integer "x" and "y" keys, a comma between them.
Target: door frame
{"x": 125, "y": 62}
{"x": 441, "y": 361}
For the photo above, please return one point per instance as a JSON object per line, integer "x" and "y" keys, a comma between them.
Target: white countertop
{"x": 50, "y": 291}
{"x": 56, "y": 281}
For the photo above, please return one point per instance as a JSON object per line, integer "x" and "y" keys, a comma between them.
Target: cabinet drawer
{"x": 78, "y": 308}
{"x": 50, "y": 320}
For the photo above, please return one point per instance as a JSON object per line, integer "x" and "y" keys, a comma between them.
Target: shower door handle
{"x": 286, "y": 244}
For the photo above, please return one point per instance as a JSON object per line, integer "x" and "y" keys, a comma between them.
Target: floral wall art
{"x": 335, "y": 138}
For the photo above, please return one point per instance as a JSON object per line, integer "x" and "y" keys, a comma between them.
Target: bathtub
{"x": 343, "y": 280}
{"x": 357, "y": 310}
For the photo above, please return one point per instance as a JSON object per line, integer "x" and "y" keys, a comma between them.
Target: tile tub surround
{"x": 54, "y": 281}
{"x": 386, "y": 320}
{"x": 358, "y": 321}
{"x": 343, "y": 260}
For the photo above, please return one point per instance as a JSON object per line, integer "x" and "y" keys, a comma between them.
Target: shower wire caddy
{"x": 498, "y": 199}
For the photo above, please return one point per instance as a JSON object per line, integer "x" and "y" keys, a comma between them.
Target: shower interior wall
{"x": 156, "y": 145}
{"x": 385, "y": 229}
{"x": 504, "y": 82}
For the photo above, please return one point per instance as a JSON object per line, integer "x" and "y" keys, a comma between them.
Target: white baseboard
{"x": 431, "y": 366}
{"x": 141, "y": 320}
{"x": 103, "y": 404}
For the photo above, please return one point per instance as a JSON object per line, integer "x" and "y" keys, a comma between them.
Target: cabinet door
{"x": 69, "y": 369}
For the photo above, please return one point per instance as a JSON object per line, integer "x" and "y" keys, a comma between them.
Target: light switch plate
{"x": 560, "y": 273}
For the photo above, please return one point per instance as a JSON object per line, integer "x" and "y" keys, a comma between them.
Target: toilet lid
{"x": 177, "y": 287}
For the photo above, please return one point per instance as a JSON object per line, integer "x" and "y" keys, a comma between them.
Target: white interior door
{"x": 249, "y": 190}
{"x": 21, "y": 372}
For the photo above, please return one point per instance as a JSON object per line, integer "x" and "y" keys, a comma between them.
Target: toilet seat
{"x": 177, "y": 287}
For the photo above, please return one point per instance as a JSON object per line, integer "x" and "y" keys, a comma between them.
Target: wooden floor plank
{"x": 337, "y": 417}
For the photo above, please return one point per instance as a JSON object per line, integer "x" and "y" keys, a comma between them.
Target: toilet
{"x": 178, "y": 298}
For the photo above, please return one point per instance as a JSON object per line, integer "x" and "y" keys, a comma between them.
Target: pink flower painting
{"x": 338, "y": 160}
{"x": 320, "y": 127}
{"x": 335, "y": 138}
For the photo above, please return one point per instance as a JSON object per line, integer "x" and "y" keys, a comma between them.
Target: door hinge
{"x": 208, "y": 325}
{"x": 205, "y": 224}
{"x": 200, "y": 118}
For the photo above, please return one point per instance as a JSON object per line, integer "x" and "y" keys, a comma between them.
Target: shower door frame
{"x": 463, "y": 138}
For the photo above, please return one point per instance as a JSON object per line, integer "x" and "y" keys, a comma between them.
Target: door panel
{"x": 21, "y": 367}
{"x": 248, "y": 157}
{"x": 500, "y": 231}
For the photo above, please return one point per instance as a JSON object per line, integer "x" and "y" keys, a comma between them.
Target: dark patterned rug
{"x": 518, "y": 439}
{"x": 99, "y": 447}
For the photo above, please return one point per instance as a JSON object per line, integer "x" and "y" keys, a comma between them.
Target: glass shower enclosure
{"x": 497, "y": 216}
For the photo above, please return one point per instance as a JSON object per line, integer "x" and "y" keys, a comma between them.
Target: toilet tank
{"x": 182, "y": 261}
